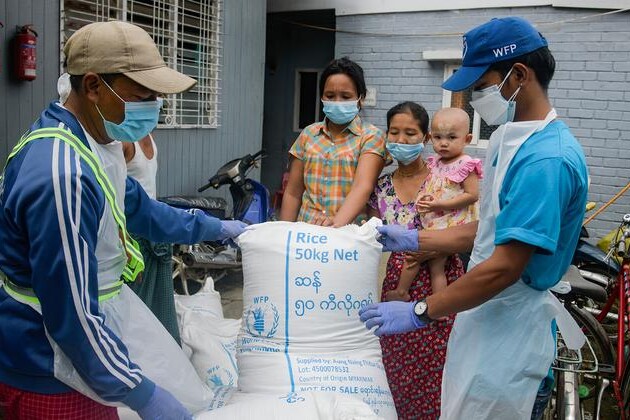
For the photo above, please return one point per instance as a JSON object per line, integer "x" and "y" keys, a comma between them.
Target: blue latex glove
{"x": 231, "y": 229}
{"x": 390, "y": 317}
{"x": 163, "y": 406}
{"x": 398, "y": 238}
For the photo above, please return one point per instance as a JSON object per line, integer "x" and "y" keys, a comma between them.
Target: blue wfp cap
{"x": 500, "y": 39}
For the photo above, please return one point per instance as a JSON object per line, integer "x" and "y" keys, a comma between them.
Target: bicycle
{"x": 580, "y": 375}
{"x": 621, "y": 296}
{"x": 581, "y": 379}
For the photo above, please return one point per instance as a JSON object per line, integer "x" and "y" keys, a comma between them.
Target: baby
{"x": 450, "y": 193}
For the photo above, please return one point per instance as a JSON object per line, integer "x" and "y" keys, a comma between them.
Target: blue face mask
{"x": 140, "y": 119}
{"x": 405, "y": 153}
{"x": 341, "y": 112}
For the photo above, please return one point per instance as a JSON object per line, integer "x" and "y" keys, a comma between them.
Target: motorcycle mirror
{"x": 205, "y": 187}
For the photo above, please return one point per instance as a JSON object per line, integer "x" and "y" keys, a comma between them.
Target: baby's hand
{"x": 425, "y": 203}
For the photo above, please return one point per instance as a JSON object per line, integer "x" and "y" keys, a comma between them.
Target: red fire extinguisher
{"x": 25, "y": 43}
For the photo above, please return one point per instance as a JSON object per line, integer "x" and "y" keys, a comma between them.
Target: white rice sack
{"x": 206, "y": 300}
{"x": 126, "y": 413}
{"x": 303, "y": 288}
{"x": 297, "y": 406}
{"x": 148, "y": 345}
{"x": 213, "y": 344}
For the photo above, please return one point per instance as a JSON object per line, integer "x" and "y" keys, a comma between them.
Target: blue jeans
{"x": 542, "y": 398}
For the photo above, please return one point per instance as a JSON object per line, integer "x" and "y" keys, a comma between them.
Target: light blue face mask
{"x": 405, "y": 153}
{"x": 140, "y": 119}
{"x": 341, "y": 112}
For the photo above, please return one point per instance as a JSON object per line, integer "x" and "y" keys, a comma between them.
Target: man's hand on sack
{"x": 163, "y": 405}
{"x": 231, "y": 229}
{"x": 390, "y": 317}
{"x": 398, "y": 238}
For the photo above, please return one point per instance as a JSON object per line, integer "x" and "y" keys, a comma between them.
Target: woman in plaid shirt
{"x": 335, "y": 163}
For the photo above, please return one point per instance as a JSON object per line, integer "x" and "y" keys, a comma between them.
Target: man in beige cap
{"x": 65, "y": 207}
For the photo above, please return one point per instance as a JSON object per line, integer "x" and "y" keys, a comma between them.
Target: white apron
{"x": 148, "y": 343}
{"x": 499, "y": 352}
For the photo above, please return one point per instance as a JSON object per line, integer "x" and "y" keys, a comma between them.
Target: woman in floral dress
{"x": 413, "y": 361}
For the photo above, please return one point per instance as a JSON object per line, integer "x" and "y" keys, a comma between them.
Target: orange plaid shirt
{"x": 329, "y": 167}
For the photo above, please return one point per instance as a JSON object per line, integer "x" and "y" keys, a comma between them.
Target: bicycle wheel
{"x": 579, "y": 374}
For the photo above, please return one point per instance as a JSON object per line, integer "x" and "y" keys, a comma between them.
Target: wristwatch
{"x": 421, "y": 309}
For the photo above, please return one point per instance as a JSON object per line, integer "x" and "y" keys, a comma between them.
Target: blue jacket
{"x": 48, "y": 244}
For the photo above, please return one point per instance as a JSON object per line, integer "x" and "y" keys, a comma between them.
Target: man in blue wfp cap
{"x": 532, "y": 205}
{"x": 66, "y": 210}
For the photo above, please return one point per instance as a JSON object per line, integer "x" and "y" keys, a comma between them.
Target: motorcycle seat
{"x": 582, "y": 287}
{"x": 216, "y": 206}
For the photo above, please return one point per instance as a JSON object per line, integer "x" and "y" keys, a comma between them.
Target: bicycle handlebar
{"x": 621, "y": 249}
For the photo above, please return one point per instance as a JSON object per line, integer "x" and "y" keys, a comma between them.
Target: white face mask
{"x": 492, "y": 106}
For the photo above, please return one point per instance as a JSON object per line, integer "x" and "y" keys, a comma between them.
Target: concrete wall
{"x": 187, "y": 157}
{"x": 590, "y": 90}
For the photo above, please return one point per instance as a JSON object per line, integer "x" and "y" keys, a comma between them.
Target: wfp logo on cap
{"x": 504, "y": 51}
{"x": 465, "y": 50}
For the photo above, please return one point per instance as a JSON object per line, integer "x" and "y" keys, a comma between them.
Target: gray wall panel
{"x": 22, "y": 102}
{"x": 187, "y": 157}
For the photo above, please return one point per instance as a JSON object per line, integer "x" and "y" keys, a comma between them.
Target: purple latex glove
{"x": 398, "y": 238}
{"x": 231, "y": 229}
{"x": 163, "y": 406}
{"x": 390, "y": 317}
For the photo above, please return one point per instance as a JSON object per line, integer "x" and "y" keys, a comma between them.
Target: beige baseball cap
{"x": 121, "y": 47}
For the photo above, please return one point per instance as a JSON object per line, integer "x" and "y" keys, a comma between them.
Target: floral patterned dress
{"x": 445, "y": 182}
{"x": 413, "y": 361}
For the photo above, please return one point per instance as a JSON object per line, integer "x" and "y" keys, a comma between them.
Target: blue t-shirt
{"x": 542, "y": 201}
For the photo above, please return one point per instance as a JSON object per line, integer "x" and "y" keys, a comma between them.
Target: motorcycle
{"x": 593, "y": 263}
{"x": 192, "y": 264}
{"x": 598, "y": 268}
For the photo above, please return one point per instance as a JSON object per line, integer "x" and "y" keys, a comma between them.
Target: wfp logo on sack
{"x": 262, "y": 318}
{"x": 218, "y": 377}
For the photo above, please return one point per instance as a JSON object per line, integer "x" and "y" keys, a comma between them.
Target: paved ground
{"x": 231, "y": 290}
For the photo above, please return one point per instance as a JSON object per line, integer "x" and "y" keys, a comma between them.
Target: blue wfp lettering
{"x": 508, "y": 49}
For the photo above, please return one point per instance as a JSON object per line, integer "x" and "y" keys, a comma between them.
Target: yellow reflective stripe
{"x": 87, "y": 155}
{"x": 30, "y": 298}
{"x": 135, "y": 262}
{"x": 135, "y": 248}
{"x": 110, "y": 292}
{"x": 108, "y": 296}
{"x": 19, "y": 296}
{"x": 91, "y": 160}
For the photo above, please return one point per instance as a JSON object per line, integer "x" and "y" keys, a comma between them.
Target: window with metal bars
{"x": 480, "y": 130}
{"x": 188, "y": 35}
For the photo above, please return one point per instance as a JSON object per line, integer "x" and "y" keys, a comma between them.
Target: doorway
{"x": 296, "y": 54}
